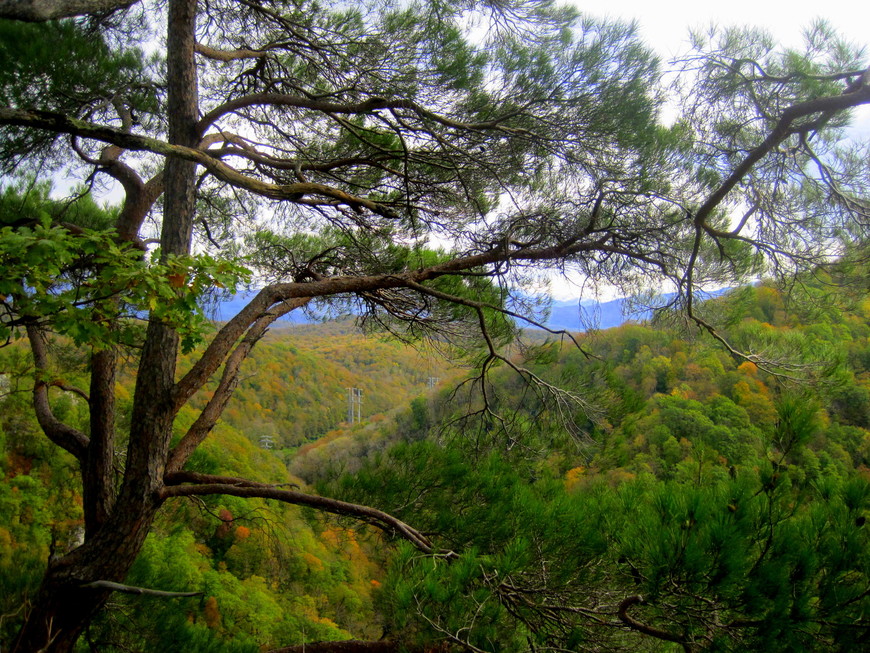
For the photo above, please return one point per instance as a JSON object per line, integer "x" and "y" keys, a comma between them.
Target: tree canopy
{"x": 424, "y": 160}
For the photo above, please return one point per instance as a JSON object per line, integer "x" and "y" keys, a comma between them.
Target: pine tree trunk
{"x": 63, "y": 607}
{"x": 117, "y": 527}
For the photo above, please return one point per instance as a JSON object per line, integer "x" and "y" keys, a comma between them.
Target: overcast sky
{"x": 665, "y": 25}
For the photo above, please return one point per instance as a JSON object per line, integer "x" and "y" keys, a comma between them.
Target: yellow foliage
{"x": 313, "y": 562}
{"x": 619, "y": 475}
{"x": 6, "y": 540}
{"x": 325, "y": 621}
{"x": 573, "y": 477}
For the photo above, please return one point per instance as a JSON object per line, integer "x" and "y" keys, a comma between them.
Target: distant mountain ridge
{"x": 570, "y": 314}
{"x": 581, "y": 314}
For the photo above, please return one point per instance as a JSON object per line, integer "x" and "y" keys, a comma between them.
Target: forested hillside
{"x": 264, "y": 576}
{"x": 295, "y": 386}
{"x": 706, "y": 502}
{"x": 710, "y": 504}
{"x": 427, "y": 166}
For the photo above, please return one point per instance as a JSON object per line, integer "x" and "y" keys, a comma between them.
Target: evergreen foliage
{"x": 320, "y": 148}
{"x": 714, "y": 505}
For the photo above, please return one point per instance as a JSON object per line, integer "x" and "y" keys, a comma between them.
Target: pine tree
{"x": 335, "y": 144}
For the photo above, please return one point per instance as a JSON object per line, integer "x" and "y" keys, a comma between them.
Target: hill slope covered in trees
{"x": 710, "y": 504}
{"x": 705, "y": 503}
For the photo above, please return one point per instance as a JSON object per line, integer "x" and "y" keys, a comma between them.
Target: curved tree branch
{"x": 261, "y": 308}
{"x": 58, "y": 383}
{"x": 228, "y": 55}
{"x": 39, "y": 11}
{"x": 185, "y": 484}
{"x": 366, "y": 106}
{"x": 856, "y": 94}
{"x": 142, "y": 591}
{"x": 63, "y": 435}
{"x": 226, "y": 386}
{"x": 634, "y": 624}
{"x": 61, "y": 123}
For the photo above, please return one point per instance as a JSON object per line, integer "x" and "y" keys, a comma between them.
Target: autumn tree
{"x": 425, "y": 159}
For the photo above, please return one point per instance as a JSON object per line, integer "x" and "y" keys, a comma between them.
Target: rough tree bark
{"x": 116, "y": 530}
{"x": 42, "y": 10}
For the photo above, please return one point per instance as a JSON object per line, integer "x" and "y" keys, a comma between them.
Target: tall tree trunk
{"x": 98, "y": 474}
{"x": 117, "y": 528}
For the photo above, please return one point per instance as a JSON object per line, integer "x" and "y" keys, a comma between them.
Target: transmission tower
{"x": 354, "y": 405}
{"x": 267, "y": 442}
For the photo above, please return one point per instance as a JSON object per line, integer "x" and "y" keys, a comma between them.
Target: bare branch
{"x": 63, "y": 385}
{"x": 63, "y": 435}
{"x": 634, "y": 624}
{"x": 228, "y": 55}
{"x": 483, "y": 305}
{"x": 203, "y": 484}
{"x": 223, "y": 393}
{"x": 142, "y": 591}
{"x": 38, "y": 11}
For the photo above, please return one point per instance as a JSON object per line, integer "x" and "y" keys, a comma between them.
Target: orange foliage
{"x": 684, "y": 391}
{"x": 748, "y": 367}
{"x": 619, "y": 475}
{"x": 330, "y": 536}
{"x": 243, "y": 533}
{"x": 313, "y": 562}
{"x": 18, "y": 464}
{"x": 211, "y": 613}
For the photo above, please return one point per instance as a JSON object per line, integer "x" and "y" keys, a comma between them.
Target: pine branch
{"x": 226, "y": 386}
